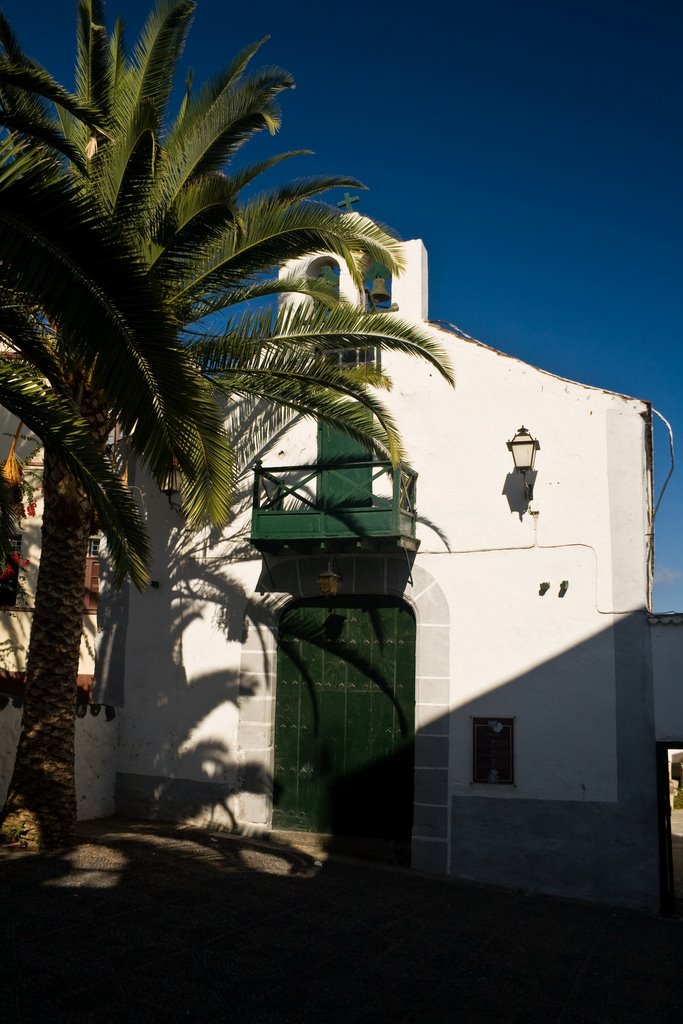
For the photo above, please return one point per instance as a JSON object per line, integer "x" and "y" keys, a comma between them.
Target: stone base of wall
{"x": 587, "y": 851}
{"x": 97, "y": 740}
{"x": 96, "y": 750}
{"x": 157, "y": 798}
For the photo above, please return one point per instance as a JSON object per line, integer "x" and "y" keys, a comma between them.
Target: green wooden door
{"x": 344, "y": 726}
{"x": 341, "y": 487}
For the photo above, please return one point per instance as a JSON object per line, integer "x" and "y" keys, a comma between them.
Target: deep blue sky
{"x": 535, "y": 147}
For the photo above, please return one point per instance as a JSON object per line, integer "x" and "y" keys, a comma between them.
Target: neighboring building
{"x": 95, "y": 748}
{"x": 481, "y": 687}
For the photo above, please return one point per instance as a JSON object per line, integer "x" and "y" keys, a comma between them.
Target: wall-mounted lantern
{"x": 172, "y": 482}
{"x": 171, "y": 485}
{"x": 524, "y": 447}
{"x": 330, "y": 581}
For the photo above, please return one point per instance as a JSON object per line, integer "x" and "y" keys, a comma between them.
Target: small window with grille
{"x": 356, "y": 356}
{"x": 493, "y": 750}
{"x": 92, "y": 575}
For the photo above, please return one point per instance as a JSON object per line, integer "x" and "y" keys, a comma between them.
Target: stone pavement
{"x": 154, "y": 924}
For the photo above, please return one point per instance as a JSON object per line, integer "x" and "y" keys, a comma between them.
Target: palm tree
{"x": 55, "y": 297}
{"x": 97, "y": 343}
{"x": 169, "y": 192}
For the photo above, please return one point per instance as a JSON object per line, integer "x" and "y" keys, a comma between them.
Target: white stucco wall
{"x": 200, "y": 677}
{"x": 10, "y": 723}
{"x": 572, "y": 667}
{"x": 96, "y": 753}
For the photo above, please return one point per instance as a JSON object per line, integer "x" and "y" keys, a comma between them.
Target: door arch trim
{"x": 289, "y": 578}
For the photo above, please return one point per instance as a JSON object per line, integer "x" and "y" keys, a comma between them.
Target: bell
{"x": 327, "y": 274}
{"x": 379, "y": 292}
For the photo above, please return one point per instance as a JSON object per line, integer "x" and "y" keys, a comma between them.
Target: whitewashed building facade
{"x": 521, "y": 694}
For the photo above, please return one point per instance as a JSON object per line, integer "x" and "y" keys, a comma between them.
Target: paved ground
{"x": 149, "y": 925}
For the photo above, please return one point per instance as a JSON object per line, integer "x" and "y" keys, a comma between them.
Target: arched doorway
{"x": 345, "y": 718}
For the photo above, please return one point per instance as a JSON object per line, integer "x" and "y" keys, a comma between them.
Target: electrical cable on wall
{"x": 673, "y": 460}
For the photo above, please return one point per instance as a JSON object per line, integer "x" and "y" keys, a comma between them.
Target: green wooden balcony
{"x": 336, "y": 506}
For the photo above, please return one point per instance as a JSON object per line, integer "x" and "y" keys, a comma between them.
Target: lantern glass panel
{"x": 523, "y": 447}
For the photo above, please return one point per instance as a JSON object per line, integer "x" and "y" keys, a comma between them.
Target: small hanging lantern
{"x": 329, "y": 582}
{"x": 172, "y": 482}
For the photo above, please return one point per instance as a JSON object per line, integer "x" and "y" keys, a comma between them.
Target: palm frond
{"x": 155, "y": 57}
{"x": 343, "y": 404}
{"x": 273, "y": 234}
{"x": 26, "y": 92}
{"x": 93, "y": 57}
{"x": 204, "y": 209}
{"x": 135, "y": 184}
{"x": 55, "y": 246}
{"x": 306, "y": 188}
{"x": 43, "y": 132}
{"x": 37, "y": 83}
{"x": 208, "y": 141}
{"x": 117, "y": 49}
{"x": 292, "y": 330}
{"x": 17, "y": 100}
{"x": 197, "y": 105}
{"x": 286, "y": 358}
{"x": 112, "y": 165}
{"x": 55, "y": 420}
{"x": 243, "y": 177}
{"x": 10, "y": 41}
{"x": 317, "y": 289}
{"x": 25, "y": 335}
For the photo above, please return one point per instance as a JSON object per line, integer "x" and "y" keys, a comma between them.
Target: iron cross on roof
{"x": 347, "y": 202}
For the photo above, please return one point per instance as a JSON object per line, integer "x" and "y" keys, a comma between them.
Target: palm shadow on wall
{"x": 187, "y": 767}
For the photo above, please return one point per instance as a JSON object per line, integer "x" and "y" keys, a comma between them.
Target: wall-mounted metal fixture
{"x": 330, "y": 581}
{"x": 172, "y": 482}
{"x": 171, "y": 485}
{"x": 564, "y": 587}
{"x": 524, "y": 447}
{"x": 544, "y": 588}
{"x": 82, "y": 708}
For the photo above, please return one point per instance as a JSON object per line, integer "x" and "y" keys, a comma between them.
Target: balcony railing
{"x": 338, "y": 505}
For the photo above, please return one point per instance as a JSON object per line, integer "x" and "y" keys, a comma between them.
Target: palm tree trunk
{"x": 42, "y": 796}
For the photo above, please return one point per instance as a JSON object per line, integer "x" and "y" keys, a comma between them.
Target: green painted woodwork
{"x": 343, "y": 486}
{"x": 288, "y": 510}
{"x": 345, "y": 498}
{"x": 344, "y": 727}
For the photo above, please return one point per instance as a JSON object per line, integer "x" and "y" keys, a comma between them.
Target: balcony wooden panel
{"x": 340, "y": 506}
